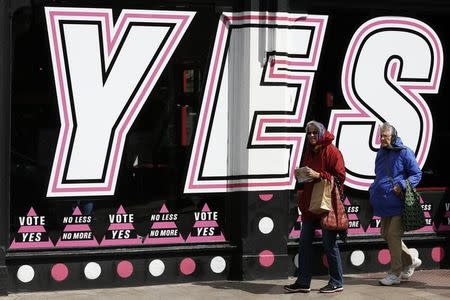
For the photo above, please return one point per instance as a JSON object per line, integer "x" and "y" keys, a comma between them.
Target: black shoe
{"x": 297, "y": 288}
{"x": 329, "y": 288}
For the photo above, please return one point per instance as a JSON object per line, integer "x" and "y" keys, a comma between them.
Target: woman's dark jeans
{"x": 305, "y": 257}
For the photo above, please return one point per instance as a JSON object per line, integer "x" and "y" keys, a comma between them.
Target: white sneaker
{"x": 409, "y": 270}
{"x": 390, "y": 279}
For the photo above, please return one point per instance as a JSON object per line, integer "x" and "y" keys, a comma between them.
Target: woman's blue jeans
{"x": 305, "y": 255}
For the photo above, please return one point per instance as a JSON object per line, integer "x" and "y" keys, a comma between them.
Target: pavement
{"x": 424, "y": 284}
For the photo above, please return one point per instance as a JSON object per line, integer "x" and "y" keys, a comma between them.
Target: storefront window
{"x": 147, "y": 206}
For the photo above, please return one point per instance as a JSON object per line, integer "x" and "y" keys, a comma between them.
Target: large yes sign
{"x": 104, "y": 73}
{"x": 389, "y": 63}
{"x": 249, "y": 135}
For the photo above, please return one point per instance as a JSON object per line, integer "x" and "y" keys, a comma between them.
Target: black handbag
{"x": 412, "y": 215}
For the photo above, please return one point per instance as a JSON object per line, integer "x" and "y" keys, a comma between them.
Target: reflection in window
{"x": 188, "y": 81}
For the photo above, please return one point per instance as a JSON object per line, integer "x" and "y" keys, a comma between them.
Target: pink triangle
{"x": 31, "y": 212}
{"x": 445, "y": 227}
{"x": 350, "y": 215}
{"x": 73, "y": 228}
{"x": 120, "y": 225}
{"x": 297, "y": 233}
{"x": 355, "y": 227}
{"x": 159, "y": 227}
{"x": 294, "y": 234}
{"x": 206, "y": 207}
{"x": 121, "y": 210}
{"x": 202, "y": 239}
{"x": 31, "y": 245}
{"x": 76, "y": 212}
{"x": 164, "y": 209}
{"x": 121, "y": 228}
{"x": 25, "y": 229}
{"x": 205, "y": 224}
{"x": 373, "y": 230}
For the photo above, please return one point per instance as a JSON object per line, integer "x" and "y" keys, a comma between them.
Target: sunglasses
{"x": 312, "y": 132}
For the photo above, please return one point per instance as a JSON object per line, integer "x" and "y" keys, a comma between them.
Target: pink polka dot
{"x": 187, "y": 266}
{"x": 124, "y": 269}
{"x": 384, "y": 257}
{"x": 325, "y": 260}
{"x": 266, "y": 258}
{"x": 265, "y": 197}
{"x": 60, "y": 272}
{"x": 437, "y": 254}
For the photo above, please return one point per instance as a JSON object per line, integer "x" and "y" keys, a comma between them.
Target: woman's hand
{"x": 398, "y": 190}
{"x": 311, "y": 173}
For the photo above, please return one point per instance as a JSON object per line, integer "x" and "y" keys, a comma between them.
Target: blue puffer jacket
{"x": 403, "y": 165}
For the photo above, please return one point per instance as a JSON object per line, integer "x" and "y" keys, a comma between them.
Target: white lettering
{"x": 31, "y": 236}
{"x": 353, "y": 224}
{"x": 121, "y": 218}
{"x": 103, "y": 75}
{"x": 82, "y": 235}
{"x": 32, "y": 220}
{"x": 120, "y": 234}
{"x": 205, "y": 216}
{"x": 68, "y": 220}
{"x": 205, "y": 231}
{"x": 377, "y": 223}
{"x": 169, "y": 232}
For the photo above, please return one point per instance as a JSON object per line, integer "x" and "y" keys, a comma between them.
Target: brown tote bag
{"x": 321, "y": 197}
{"x": 336, "y": 218}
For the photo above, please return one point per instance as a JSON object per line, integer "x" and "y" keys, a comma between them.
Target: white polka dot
{"x": 296, "y": 260}
{"x": 265, "y": 225}
{"x": 25, "y": 273}
{"x": 92, "y": 270}
{"x": 218, "y": 264}
{"x": 357, "y": 258}
{"x": 156, "y": 267}
{"x": 414, "y": 253}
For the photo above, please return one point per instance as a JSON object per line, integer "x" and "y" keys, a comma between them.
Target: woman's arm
{"x": 335, "y": 167}
{"x": 412, "y": 170}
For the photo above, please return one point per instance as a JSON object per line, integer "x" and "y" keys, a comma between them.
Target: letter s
{"x": 389, "y": 63}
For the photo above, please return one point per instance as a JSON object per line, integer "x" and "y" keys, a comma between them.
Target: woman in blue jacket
{"x": 394, "y": 164}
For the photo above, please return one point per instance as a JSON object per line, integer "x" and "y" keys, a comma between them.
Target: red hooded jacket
{"x": 328, "y": 161}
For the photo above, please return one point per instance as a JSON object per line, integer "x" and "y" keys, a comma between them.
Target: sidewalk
{"x": 426, "y": 284}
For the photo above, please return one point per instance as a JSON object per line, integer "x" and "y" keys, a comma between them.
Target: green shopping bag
{"x": 412, "y": 216}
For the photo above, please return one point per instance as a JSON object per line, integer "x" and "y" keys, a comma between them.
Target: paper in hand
{"x": 301, "y": 175}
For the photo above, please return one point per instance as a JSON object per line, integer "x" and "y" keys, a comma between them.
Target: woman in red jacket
{"x": 322, "y": 160}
